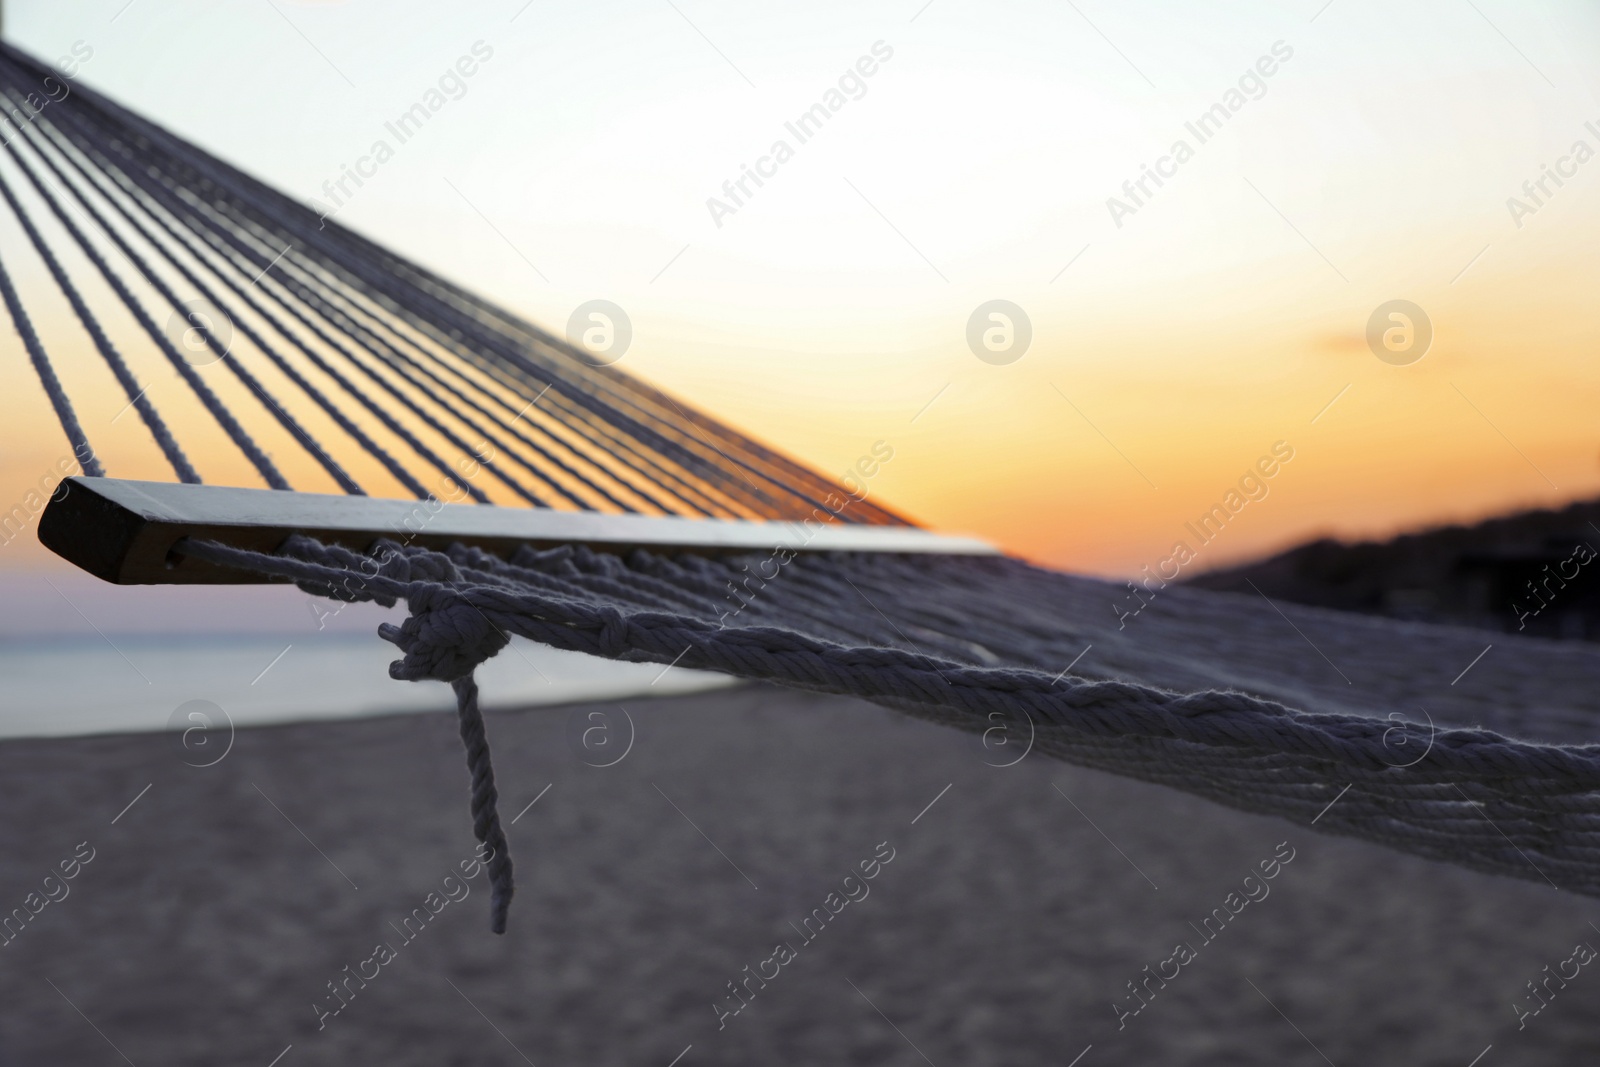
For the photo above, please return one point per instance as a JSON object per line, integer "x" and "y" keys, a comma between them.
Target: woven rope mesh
{"x": 1208, "y": 693}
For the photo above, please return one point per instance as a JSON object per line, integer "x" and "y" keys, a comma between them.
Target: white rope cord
{"x": 988, "y": 634}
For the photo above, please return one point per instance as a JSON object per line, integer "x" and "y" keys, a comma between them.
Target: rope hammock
{"x": 388, "y": 379}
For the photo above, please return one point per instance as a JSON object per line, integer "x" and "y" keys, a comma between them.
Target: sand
{"x": 217, "y": 908}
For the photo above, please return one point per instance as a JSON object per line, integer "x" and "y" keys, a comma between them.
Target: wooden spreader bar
{"x": 124, "y": 531}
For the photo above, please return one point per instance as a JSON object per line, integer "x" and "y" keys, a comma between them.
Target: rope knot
{"x": 446, "y": 636}
{"x": 611, "y": 640}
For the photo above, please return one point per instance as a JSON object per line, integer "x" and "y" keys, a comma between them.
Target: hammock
{"x": 643, "y": 530}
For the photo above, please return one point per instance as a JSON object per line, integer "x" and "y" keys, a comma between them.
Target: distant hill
{"x": 1534, "y": 571}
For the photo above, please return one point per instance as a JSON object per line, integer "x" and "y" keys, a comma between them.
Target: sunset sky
{"x": 1172, "y": 345}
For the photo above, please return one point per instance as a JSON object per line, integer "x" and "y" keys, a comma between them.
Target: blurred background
{"x": 1167, "y": 333}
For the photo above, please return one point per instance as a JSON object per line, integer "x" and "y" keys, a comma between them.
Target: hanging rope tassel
{"x": 445, "y": 644}
{"x": 485, "y": 814}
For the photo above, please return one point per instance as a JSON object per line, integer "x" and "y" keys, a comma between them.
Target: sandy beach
{"x": 221, "y": 901}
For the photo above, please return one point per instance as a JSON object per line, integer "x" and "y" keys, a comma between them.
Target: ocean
{"x": 72, "y": 685}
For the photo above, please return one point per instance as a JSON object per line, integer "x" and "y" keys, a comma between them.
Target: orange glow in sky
{"x": 1176, "y": 336}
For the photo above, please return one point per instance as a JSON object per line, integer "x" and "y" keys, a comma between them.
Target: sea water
{"x": 68, "y": 685}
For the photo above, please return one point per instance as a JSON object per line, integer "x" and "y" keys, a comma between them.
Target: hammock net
{"x": 393, "y": 381}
